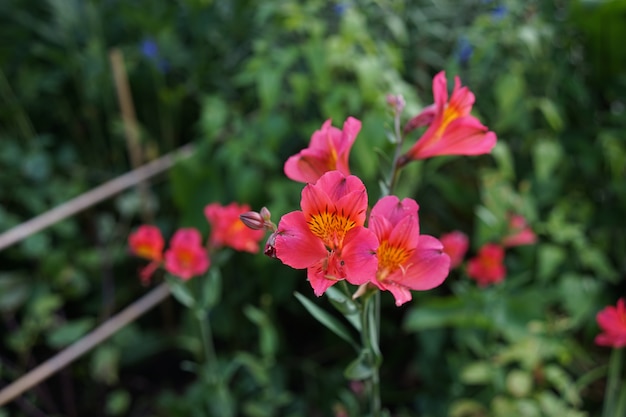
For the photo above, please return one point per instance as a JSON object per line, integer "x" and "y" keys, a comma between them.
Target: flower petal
{"x": 295, "y": 245}
{"x": 427, "y": 268}
{"x": 359, "y": 256}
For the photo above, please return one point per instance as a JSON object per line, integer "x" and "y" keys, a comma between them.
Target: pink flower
{"x": 186, "y": 257}
{"x": 147, "y": 242}
{"x": 452, "y": 130}
{"x": 487, "y": 267}
{"x": 612, "y": 321}
{"x": 328, "y": 150}
{"x": 328, "y": 237}
{"x": 406, "y": 260}
{"x": 519, "y": 232}
{"x": 227, "y": 229}
{"x": 455, "y": 244}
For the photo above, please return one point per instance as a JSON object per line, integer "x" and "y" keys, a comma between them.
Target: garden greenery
{"x": 534, "y": 230}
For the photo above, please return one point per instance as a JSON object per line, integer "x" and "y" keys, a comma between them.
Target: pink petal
{"x": 307, "y": 166}
{"x": 354, "y": 206}
{"x": 315, "y": 200}
{"x": 295, "y": 245}
{"x": 359, "y": 255}
{"x": 336, "y": 185}
{"x": 393, "y": 209}
{"x": 462, "y": 98}
{"x": 317, "y": 278}
{"x": 400, "y": 293}
{"x": 406, "y": 233}
{"x": 427, "y": 268}
{"x": 440, "y": 91}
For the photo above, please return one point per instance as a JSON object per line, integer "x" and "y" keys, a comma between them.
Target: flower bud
{"x": 253, "y": 220}
{"x": 396, "y": 102}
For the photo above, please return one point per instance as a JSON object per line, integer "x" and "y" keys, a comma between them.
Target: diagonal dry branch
{"x": 94, "y": 196}
{"x": 88, "y": 342}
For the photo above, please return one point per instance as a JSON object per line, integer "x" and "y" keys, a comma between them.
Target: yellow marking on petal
{"x": 450, "y": 113}
{"x": 391, "y": 258}
{"x": 330, "y": 227}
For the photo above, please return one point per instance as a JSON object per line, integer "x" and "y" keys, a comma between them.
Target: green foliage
{"x": 248, "y": 83}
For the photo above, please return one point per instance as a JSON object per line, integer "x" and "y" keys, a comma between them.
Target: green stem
{"x": 395, "y": 169}
{"x": 207, "y": 336}
{"x": 613, "y": 385}
{"x": 369, "y": 340}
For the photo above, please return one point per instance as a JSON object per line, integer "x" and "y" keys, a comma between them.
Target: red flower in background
{"x": 487, "y": 267}
{"x": 406, "y": 260}
{"x": 147, "y": 242}
{"x": 519, "y": 232}
{"x": 327, "y": 237}
{"x": 186, "y": 257}
{"x": 455, "y": 245}
{"x": 227, "y": 229}
{"x": 328, "y": 150}
{"x": 612, "y": 321}
{"x": 452, "y": 130}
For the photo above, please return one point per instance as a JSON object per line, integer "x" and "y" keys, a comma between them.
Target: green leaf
{"x": 69, "y": 332}
{"x": 14, "y": 291}
{"x": 326, "y": 319}
{"x": 551, "y": 113}
{"x": 360, "y": 368}
{"x": 180, "y": 291}
{"x": 345, "y": 305}
{"x": 211, "y": 288}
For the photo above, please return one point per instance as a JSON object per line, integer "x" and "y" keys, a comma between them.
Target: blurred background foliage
{"x": 247, "y": 83}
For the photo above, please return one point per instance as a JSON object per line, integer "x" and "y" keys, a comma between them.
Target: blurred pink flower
{"x": 328, "y": 150}
{"x": 406, "y": 260}
{"x": 328, "y": 237}
{"x": 487, "y": 267}
{"x": 452, "y": 130}
{"x": 612, "y": 321}
{"x": 455, "y": 244}
{"x": 519, "y": 232}
{"x": 186, "y": 257}
{"x": 147, "y": 242}
{"x": 227, "y": 228}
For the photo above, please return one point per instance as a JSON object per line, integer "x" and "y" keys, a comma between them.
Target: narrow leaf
{"x": 326, "y": 319}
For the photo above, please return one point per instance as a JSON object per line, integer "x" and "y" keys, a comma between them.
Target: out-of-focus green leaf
{"x": 69, "y": 332}
{"x": 14, "y": 291}
{"x": 360, "y": 368}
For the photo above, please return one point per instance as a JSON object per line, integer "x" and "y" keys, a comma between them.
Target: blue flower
{"x": 149, "y": 48}
{"x": 464, "y": 50}
{"x": 499, "y": 13}
{"x": 340, "y": 8}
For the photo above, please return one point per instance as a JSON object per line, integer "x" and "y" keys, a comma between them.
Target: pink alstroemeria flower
{"x": 612, "y": 321}
{"x": 519, "y": 232}
{"x": 227, "y": 229}
{"x": 328, "y": 237}
{"x": 487, "y": 267}
{"x": 328, "y": 150}
{"x": 455, "y": 244}
{"x": 147, "y": 242}
{"x": 406, "y": 260}
{"x": 186, "y": 257}
{"x": 452, "y": 130}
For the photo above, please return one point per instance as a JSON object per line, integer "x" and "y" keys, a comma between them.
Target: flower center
{"x": 331, "y": 228}
{"x": 185, "y": 257}
{"x": 146, "y": 251}
{"x": 390, "y": 258}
